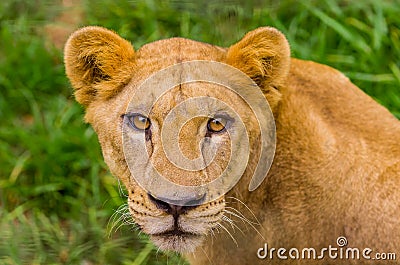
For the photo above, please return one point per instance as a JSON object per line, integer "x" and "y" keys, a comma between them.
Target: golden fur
{"x": 337, "y": 163}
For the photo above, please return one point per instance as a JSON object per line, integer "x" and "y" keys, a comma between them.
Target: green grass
{"x": 56, "y": 195}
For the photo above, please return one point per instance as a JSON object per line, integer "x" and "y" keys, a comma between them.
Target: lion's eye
{"x": 139, "y": 122}
{"x": 216, "y": 125}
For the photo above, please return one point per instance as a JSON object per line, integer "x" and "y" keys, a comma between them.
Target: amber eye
{"x": 216, "y": 125}
{"x": 139, "y": 122}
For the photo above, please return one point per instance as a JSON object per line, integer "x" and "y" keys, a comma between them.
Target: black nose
{"x": 175, "y": 209}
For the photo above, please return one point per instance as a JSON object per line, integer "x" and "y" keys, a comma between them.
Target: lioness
{"x": 335, "y": 174}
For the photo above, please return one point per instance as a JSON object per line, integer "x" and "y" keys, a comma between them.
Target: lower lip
{"x": 177, "y": 233}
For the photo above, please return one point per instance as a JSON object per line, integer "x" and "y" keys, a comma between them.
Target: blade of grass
{"x": 376, "y": 78}
{"x": 144, "y": 253}
{"x": 352, "y": 37}
{"x": 395, "y": 70}
{"x": 380, "y": 28}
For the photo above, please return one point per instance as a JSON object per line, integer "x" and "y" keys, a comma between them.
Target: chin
{"x": 179, "y": 242}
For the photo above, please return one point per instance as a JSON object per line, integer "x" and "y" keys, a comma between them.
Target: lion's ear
{"x": 98, "y": 62}
{"x": 264, "y": 55}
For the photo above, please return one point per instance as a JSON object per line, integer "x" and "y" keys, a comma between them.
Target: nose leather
{"x": 175, "y": 209}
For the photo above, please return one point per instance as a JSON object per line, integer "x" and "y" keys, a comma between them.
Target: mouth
{"x": 176, "y": 228}
{"x": 176, "y": 232}
{"x": 177, "y": 240}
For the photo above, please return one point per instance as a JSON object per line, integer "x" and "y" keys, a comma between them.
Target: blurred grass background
{"x": 56, "y": 195}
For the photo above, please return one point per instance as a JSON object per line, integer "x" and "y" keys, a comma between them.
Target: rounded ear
{"x": 98, "y": 63}
{"x": 264, "y": 55}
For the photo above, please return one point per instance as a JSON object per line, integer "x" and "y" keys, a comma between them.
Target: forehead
{"x": 175, "y": 50}
{"x": 158, "y": 55}
{"x": 204, "y": 96}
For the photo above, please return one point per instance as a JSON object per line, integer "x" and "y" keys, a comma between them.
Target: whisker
{"x": 158, "y": 251}
{"x": 119, "y": 218}
{"x": 127, "y": 219}
{"x": 252, "y": 213}
{"x": 115, "y": 219}
{"x": 194, "y": 255}
{"x": 232, "y": 223}
{"x": 121, "y": 225}
{"x": 111, "y": 219}
{"x": 216, "y": 228}
{"x": 240, "y": 215}
{"x": 123, "y": 221}
{"x": 121, "y": 190}
{"x": 205, "y": 253}
{"x": 245, "y": 220}
{"x": 229, "y": 233}
{"x": 229, "y": 220}
{"x": 212, "y": 236}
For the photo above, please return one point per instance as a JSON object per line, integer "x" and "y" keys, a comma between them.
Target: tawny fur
{"x": 336, "y": 171}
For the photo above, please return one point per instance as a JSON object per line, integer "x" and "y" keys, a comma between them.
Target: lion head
{"x": 108, "y": 76}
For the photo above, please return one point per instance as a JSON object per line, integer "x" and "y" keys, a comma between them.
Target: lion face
{"x": 179, "y": 227}
{"x": 107, "y": 74}
{"x": 172, "y": 226}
